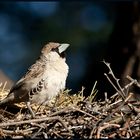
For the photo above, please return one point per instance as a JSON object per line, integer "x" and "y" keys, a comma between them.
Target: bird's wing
{"x": 35, "y": 71}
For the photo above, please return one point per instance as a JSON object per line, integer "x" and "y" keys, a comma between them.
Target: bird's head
{"x": 54, "y": 51}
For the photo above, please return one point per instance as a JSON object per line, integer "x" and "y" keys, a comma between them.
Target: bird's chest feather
{"x": 56, "y": 75}
{"x": 53, "y": 80}
{"x": 56, "y": 79}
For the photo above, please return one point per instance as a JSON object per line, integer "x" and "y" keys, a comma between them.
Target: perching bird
{"x": 43, "y": 80}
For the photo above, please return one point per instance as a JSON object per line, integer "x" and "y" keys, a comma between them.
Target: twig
{"x": 125, "y": 88}
{"x": 116, "y": 120}
{"x": 64, "y": 124}
{"x": 133, "y": 80}
{"x": 59, "y": 136}
{"x": 34, "y": 121}
{"x": 111, "y": 83}
{"x": 114, "y": 103}
{"x": 35, "y": 134}
{"x": 114, "y": 86}
{"x": 45, "y": 135}
{"x": 118, "y": 108}
{"x": 82, "y": 91}
{"x": 38, "y": 125}
{"x": 77, "y": 109}
{"x": 76, "y": 127}
{"x": 27, "y": 121}
{"x": 126, "y": 125}
{"x": 114, "y": 95}
{"x": 60, "y": 111}
{"x": 116, "y": 79}
{"x": 129, "y": 96}
{"x": 106, "y": 99}
{"x": 19, "y": 131}
{"x": 18, "y": 137}
{"x": 112, "y": 135}
{"x": 71, "y": 109}
{"x": 104, "y": 127}
{"x": 120, "y": 91}
{"x": 66, "y": 134}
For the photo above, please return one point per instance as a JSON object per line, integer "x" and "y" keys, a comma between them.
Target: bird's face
{"x": 54, "y": 51}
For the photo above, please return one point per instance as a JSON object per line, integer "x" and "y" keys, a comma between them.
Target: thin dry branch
{"x": 120, "y": 91}
{"x": 106, "y": 125}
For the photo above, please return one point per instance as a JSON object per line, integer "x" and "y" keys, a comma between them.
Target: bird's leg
{"x": 30, "y": 109}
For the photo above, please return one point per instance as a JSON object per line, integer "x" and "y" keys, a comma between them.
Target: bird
{"x": 43, "y": 80}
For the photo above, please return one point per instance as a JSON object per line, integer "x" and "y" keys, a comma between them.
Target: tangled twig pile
{"x": 74, "y": 116}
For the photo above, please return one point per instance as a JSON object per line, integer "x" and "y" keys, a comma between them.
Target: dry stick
{"x": 60, "y": 111}
{"x": 133, "y": 80}
{"x": 76, "y": 127}
{"x": 114, "y": 95}
{"x": 77, "y": 109}
{"x": 36, "y": 133}
{"x": 129, "y": 96}
{"x": 117, "y": 80}
{"x": 72, "y": 109}
{"x": 116, "y": 102}
{"x": 137, "y": 120}
{"x": 108, "y": 117}
{"x": 67, "y": 134}
{"x": 114, "y": 85}
{"x": 118, "y": 108}
{"x": 106, "y": 99}
{"x": 59, "y": 136}
{"x": 126, "y": 125}
{"x": 19, "y": 131}
{"x": 91, "y": 133}
{"x": 136, "y": 109}
{"x": 38, "y": 125}
{"x": 45, "y": 135}
{"x": 126, "y": 87}
{"x": 112, "y": 135}
{"x": 104, "y": 127}
{"x": 17, "y": 137}
{"x": 27, "y": 121}
{"x": 36, "y": 120}
{"x": 116, "y": 120}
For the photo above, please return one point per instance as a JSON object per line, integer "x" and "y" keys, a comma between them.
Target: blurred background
{"x": 95, "y": 30}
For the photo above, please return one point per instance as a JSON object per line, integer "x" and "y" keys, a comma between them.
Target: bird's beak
{"x": 63, "y": 47}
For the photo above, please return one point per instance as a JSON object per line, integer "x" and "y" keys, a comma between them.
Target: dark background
{"x": 95, "y": 30}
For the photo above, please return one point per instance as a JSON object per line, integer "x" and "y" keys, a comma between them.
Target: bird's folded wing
{"x": 35, "y": 71}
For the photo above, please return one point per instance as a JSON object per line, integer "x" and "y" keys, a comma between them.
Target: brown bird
{"x": 43, "y": 80}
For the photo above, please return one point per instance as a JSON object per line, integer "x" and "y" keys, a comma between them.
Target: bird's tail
{"x": 7, "y": 100}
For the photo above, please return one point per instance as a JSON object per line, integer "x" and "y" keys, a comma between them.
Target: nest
{"x": 75, "y": 116}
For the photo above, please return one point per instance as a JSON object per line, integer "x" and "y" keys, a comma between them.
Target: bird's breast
{"x": 55, "y": 80}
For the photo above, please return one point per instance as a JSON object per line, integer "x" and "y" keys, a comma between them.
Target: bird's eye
{"x": 55, "y": 49}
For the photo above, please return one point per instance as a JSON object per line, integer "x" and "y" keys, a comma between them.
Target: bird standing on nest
{"x": 43, "y": 80}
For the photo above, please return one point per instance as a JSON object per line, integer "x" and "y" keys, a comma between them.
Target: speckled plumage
{"x": 44, "y": 79}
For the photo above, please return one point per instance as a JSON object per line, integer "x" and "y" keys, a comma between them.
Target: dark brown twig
{"x": 104, "y": 127}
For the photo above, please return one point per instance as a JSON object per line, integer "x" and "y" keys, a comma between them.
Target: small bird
{"x": 43, "y": 80}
